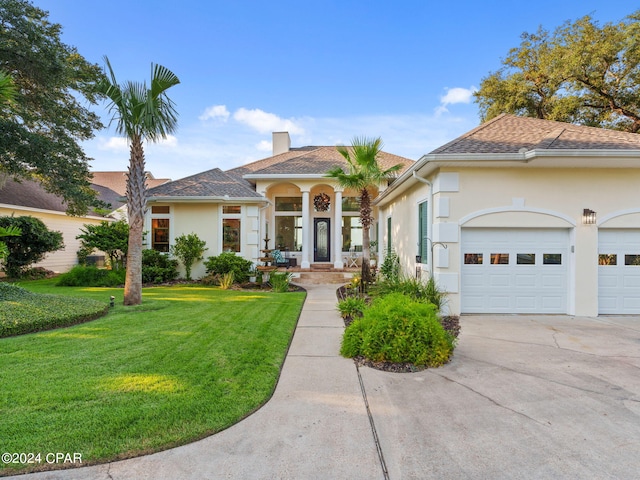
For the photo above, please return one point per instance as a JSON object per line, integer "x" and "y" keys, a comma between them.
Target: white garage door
{"x": 619, "y": 271}
{"x": 519, "y": 270}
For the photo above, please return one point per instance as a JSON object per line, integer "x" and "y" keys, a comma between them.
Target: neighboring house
{"x": 29, "y": 198}
{"x": 282, "y": 202}
{"x": 112, "y": 188}
{"x": 522, "y": 215}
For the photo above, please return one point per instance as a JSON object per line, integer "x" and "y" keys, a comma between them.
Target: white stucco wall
{"x": 517, "y": 197}
{"x": 205, "y": 220}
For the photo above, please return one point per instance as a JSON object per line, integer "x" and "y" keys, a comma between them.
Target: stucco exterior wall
{"x": 517, "y": 197}
{"x": 62, "y": 260}
{"x": 205, "y": 220}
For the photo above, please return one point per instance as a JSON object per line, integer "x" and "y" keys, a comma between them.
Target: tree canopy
{"x": 41, "y": 128}
{"x": 581, "y": 72}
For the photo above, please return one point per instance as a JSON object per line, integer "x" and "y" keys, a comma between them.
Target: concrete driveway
{"x": 527, "y": 397}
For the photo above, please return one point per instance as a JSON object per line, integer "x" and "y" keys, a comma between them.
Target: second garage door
{"x": 619, "y": 271}
{"x": 519, "y": 270}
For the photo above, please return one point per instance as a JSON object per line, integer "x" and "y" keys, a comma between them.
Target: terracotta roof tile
{"x": 117, "y": 181}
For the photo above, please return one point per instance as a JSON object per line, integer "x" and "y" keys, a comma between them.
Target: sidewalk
{"x": 314, "y": 426}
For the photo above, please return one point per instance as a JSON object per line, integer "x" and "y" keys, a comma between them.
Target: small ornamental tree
{"x": 189, "y": 249}
{"x": 34, "y": 242}
{"x": 110, "y": 237}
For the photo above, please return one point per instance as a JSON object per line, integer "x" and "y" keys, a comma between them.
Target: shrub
{"x": 34, "y": 242}
{"x": 188, "y": 249}
{"x": 23, "y": 312}
{"x": 418, "y": 290}
{"x": 81, "y": 276}
{"x": 398, "y": 329}
{"x": 390, "y": 268}
{"x": 229, "y": 262}
{"x": 352, "y": 307}
{"x": 110, "y": 237}
{"x": 158, "y": 267}
{"x": 280, "y": 281}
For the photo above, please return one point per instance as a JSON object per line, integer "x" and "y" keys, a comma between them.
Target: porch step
{"x": 316, "y": 278}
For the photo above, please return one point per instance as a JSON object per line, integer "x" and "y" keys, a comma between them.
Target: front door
{"x": 321, "y": 240}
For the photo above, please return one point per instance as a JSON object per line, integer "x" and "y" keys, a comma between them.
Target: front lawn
{"x": 188, "y": 362}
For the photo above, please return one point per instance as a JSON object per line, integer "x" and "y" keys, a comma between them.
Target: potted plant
{"x": 374, "y": 253}
{"x": 252, "y": 274}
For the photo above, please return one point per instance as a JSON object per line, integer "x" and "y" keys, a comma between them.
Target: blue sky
{"x": 325, "y": 71}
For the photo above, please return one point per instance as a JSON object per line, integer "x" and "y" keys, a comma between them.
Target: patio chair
{"x": 279, "y": 260}
{"x": 352, "y": 259}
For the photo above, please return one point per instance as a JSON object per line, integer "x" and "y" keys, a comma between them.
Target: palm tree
{"x": 364, "y": 174}
{"x": 8, "y": 88}
{"x": 140, "y": 113}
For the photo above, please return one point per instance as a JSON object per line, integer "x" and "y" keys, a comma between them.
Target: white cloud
{"x": 171, "y": 142}
{"x": 215, "y": 111}
{"x": 453, "y": 96}
{"x": 116, "y": 144}
{"x": 265, "y": 122}
{"x": 264, "y": 146}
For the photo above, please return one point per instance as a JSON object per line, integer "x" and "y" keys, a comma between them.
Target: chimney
{"x": 281, "y": 143}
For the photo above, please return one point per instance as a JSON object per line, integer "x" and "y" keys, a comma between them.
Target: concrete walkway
{"x": 532, "y": 397}
{"x": 314, "y": 427}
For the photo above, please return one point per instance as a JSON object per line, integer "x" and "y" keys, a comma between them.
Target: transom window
{"x": 607, "y": 259}
{"x": 288, "y": 204}
{"x": 473, "y": 259}
{"x": 231, "y": 209}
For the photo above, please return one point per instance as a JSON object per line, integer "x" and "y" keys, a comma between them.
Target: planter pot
{"x": 252, "y": 279}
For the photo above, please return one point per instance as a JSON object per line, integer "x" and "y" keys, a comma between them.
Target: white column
{"x": 337, "y": 230}
{"x": 306, "y": 229}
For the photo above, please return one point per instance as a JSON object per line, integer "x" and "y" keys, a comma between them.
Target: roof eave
{"x": 429, "y": 163}
{"x": 206, "y": 199}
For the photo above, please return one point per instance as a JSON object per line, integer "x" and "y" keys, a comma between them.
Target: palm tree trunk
{"x": 136, "y": 205}
{"x": 366, "y": 220}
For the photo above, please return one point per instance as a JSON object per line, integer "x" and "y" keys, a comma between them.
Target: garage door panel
{"x": 618, "y": 283}
{"x": 522, "y": 270}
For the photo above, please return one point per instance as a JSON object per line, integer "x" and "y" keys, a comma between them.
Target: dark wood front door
{"x": 321, "y": 240}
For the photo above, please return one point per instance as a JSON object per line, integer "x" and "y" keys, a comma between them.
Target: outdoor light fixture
{"x": 112, "y": 301}
{"x": 588, "y": 217}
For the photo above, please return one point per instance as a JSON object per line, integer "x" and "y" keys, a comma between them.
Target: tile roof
{"x": 117, "y": 181}
{"x": 212, "y": 183}
{"x": 510, "y": 134}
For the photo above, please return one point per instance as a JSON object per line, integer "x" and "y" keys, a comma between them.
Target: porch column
{"x": 337, "y": 230}
{"x": 306, "y": 229}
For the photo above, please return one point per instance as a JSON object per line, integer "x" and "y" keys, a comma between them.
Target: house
{"x": 29, "y": 198}
{"x": 281, "y": 202}
{"x": 523, "y": 215}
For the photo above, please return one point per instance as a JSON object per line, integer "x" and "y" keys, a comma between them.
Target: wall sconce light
{"x": 588, "y": 217}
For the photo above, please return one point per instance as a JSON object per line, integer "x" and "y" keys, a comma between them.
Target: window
{"x": 160, "y": 209}
{"x": 289, "y": 233}
{"x": 526, "y": 259}
{"x": 632, "y": 260}
{"x": 230, "y": 234}
{"x": 388, "y": 234}
{"x": 423, "y": 232}
{"x": 350, "y": 204}
{"x": 499, "y": 258}
{"x": 160, "y": 234}
{"x": 473, "y": 259}
{"x": 351, "y": 233}
{"x": 160, "y": 227}
{"x": 607, "y": 259}
{"x": 288, "y": 204}
{"x": 552, "y": 259}
{"x": 231, "y": 209}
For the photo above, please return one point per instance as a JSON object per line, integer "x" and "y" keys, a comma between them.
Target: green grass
{"x": 188, "y": 362}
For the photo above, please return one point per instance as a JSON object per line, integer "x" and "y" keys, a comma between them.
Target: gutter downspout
{"x": 430, "y": 221}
